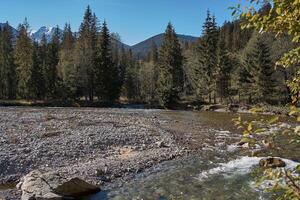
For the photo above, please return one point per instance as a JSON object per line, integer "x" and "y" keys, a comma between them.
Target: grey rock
{"x": 272, "y": 162}
{"x": 52, "y": 186}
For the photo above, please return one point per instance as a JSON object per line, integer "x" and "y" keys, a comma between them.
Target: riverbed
{"x": 131, "y": 153}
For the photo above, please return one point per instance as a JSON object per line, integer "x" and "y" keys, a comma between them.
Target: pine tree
{"x": 85, "y": 55}
{"x": 170, "y": 79}
{"x": 66, "y": 68}
{"x": 107, "y": 74}
{"x": 37, "y": 85}
{"x": 52, "y": 59}
{"x": 223, "y": 70}
{"x": 8, "y": 78}
{"x": 23, "y": 61}
{"x": 265, "y": 83}
{"x": 43, "y": 60}
{"x": 258, "y": 71}
{"x": 207, "y": 58}
{"x": 131, "y": 87}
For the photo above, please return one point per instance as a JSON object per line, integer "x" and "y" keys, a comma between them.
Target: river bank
{"x": 107, "y": 147}
{"x": 182, "y": 105}
{"x": 97, "y": 145}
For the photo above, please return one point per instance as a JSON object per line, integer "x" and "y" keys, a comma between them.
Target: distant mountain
{"x": 13, "y": 30}
{"x": 35, "y": 35}
{"x": 119, "y": 44}
{"x": 141, "y": 49}
{"x": 48, "y": 31}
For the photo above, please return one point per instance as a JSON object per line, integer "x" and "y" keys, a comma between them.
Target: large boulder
{"x": 272, "y": 162}
{"x": 51, "y": 186}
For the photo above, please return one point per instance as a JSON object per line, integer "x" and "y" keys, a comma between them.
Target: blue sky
{"x": 134, "y": 20}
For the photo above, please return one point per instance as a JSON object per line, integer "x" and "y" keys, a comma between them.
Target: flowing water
{"x": 218, "y": 172}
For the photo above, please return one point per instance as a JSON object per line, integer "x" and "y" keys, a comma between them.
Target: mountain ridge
{"x": 140, "y": 50}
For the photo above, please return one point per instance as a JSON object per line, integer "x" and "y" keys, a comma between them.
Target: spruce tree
{"x": 223, "y": 70}
{"x": 107, "y": 74}
{"x": 52, "y": 59}
{"x": 43, "y": 61}
{"x": 23, "y": 61}
{"x": 37, "y": 85}
{"x": 264, "y": 81}
{"x": 131, "y": 87}
{"x": 85, "y": 55}
{"x": 207, "y": 58}
{"x": 8, "y": 78}
{"x": 258, "y": 71}
{"x": 170, "y": 78}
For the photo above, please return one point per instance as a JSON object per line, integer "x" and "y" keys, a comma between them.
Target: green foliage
{"x": 148, "y": 81}
{"x": 37, "y": 76}
{"x": 207, "y": 57}
{"x": 131, "y": 87}
{"x": 93, "y": 63}
{"x": 23, "y": 61}
{"x": 8, "y": 79}
{"x": 107, "y": 73}
{"x": 281, "y": 17}
{"x": 52, "y": 60}
{"x": 253, "y": 134}
{"x": 224, "y": 68}
{"x": 170, "y": 71}
{"x": 85, "y": 55}
{"x": 257, "y": 72}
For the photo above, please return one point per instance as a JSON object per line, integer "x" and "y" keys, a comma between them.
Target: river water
{"x": 219, "y": 171}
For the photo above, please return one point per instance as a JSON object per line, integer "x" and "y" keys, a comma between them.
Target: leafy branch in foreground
{"x": 278, "y": 17}
{"x": 256, "y": 134}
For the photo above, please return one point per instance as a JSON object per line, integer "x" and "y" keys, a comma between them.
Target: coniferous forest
{"x": 227, "y": 64}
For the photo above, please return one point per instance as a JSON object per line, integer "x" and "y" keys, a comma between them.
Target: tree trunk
{"x": 215, "y": 98}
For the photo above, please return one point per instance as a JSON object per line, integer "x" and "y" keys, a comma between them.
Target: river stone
{"x": 161, "y": 144}
{"x": 75, "y": 187}
{"x": 52, "y": 186}
{"x": 272, "y": 162}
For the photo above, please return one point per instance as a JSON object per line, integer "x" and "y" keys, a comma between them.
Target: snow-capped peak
{"x": 48, "y": 31}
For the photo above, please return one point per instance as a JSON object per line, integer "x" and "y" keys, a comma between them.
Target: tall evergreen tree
{"x": 8, "y": 78}
{"x": 211, "y": 35}
{"x": 43, "y": 61}
{"x": 107, "y": 74}
{"x": 223, "y": 70}
{"x": 23, "y": 61}
{"x": 131, "y": 87}
{"x": 207, "y": 57}
{"x": 265, "y": 83}
{"x": 170, "y": 79}
{"x": 37, "y": 85}
{"x": 86, "y": 55}
{"x": 52, "y": 59}
{"x": 258, "y": 71}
